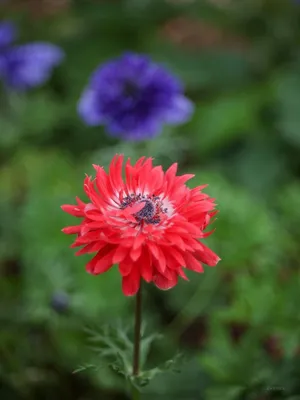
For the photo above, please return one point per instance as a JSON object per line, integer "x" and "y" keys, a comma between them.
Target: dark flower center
{"x": 131, "y": 89}
{"x": 150, "y": 213}
{"x": 147, "y": 212}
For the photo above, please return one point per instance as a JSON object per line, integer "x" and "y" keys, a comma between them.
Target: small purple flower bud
{"x": 60, "y": 302}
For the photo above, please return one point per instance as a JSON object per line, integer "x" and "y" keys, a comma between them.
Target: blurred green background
{"x": 238, "y": 323}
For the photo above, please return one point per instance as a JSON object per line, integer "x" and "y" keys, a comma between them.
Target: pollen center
{"x": 150, "y": 213}
{"x": 147, "y": 212}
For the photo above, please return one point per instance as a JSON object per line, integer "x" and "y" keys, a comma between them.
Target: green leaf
{"x": 146, "y": 343}
{"x": 220, "y": 122}
{"x": 85, "y": 367}
{"x": 112, "y": 345}
{"x": 173, "y": 365}
{"x": 286, "y": 89}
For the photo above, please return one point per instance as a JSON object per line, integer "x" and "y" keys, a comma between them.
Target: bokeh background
{"x": 238, "y": 324}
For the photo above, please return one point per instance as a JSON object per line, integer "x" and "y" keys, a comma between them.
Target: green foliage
{"x": 114, "y": 349}
{"x": 238, "y": 323}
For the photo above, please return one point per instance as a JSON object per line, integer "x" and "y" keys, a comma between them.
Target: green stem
{"x": 135, "y": 393}
{"x": 137, "y": 333}
{"x": 137, "y": 342}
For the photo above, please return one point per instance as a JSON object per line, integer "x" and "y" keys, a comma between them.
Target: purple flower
{"x": 133, "y": 97}
{"x": 8, "y": 33}
{"x": 26, "y": 66}
{"x": 60, "y": 302}
{"x": 29, "y": 65}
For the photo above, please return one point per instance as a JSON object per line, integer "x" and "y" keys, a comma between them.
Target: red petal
{"x": 95, "y": 224}
{"x": 90, "y": 191}
{"x": 73, "y": 210}
{"x": 178, "y": 256}
{"x": 207, "y": 256}
{"x": 129, "y": 172}
{"x": 91, "y": 236}
{"x": 138, "y": 241}
{"x": 104, "y": 264}
{"x": 120, "y": 254}
{"x": 162, "y": 262}
{"x": 96, "y": 265}
{"x": 91, "y": 248}
{"x": 168, "y": 272}
{"x": 171, "y": 172}
{"x": 131, "y": 282}
{"x": 182, "y": 274}
{"x": 206, "y": 234}
{"x": 188, "y": 227}
{"x": 102, "y": 183}
{"x": 146, "y": 266}
{"x": 139, "y": 162}
{"x": 159, "y": 256}
{"x": 91, "y": 264}
{"x": 180, "y": 180}
{"x": 154, "y": 249}
{"x": 70, "y": 230}
{"x": 125, "y": 267}
{"x": 171, "y": 261}
{"x": 115, "y": 172}
{"x": 135, "y": 253}
{"x": 192, "y": 263}
{"x": 157, "y": 179}
{"x": 176, "y": 240}
{"x": 80, "y": 202}
{"x": 164, "y": 284}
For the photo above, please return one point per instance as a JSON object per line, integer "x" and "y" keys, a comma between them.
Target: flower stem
{"x": 137, "y": 342}
{"x": 137, "y": 333}
{"x": 135, "y": 393}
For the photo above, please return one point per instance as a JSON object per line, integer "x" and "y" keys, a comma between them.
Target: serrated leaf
{"x": 113, "y": 346}
{"x": 85, "y": 367}
{"x": 146, "y": 343}
{"x": 173, "y": 365}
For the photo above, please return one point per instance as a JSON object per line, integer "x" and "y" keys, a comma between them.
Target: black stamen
{"x": 147, "y": 212}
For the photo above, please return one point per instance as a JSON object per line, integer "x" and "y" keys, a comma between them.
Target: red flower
{"x": 149, "y": 224}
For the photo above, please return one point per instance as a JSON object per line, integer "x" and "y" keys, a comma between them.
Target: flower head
{"x": 149, "y": 224}
{"x": 133, "y": 97}
{"x": 26, "y": 66}
{"x": 29, "y": 65}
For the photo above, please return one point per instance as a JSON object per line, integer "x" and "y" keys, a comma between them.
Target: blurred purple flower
{"x": 29, "y": 65}
{"x": 60, "y": 302}
{"x": 26, "y": 66}
{"x": 134, "y": 97}
{"x": 8, "y": 33}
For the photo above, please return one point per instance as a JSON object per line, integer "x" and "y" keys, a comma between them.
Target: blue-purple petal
{"x": 88, "y": 108}
{"x": 141, "y": 131}
{"x": 30, "y": 65}
{"x": 180, "y": 110}
{"x": 8, "y": 33}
